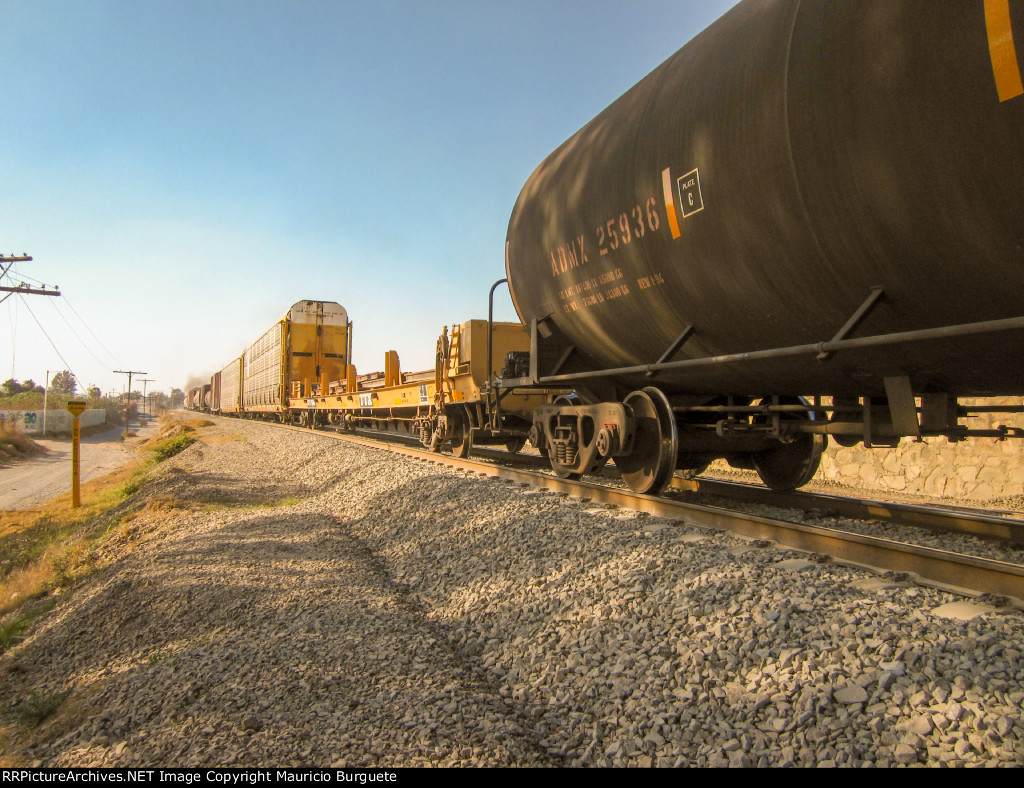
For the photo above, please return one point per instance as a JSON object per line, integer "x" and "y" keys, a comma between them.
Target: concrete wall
{"x": 977, "y": 469}
{"x": 58, "y": 422}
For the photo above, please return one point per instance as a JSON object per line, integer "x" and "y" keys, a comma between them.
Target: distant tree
{"x": 93, "y": 393}
{"x": 63, "y": 383}
{"x": 30, "y": 385}
{"x": 10, "y": 387}
{"x": 177, "y": 399}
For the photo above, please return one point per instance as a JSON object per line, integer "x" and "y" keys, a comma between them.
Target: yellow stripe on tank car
{"x": 670, "y": 204}
{"x": 1004, "y": 54}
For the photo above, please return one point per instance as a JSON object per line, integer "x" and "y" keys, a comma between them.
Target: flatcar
{"x": 455, "y": 404}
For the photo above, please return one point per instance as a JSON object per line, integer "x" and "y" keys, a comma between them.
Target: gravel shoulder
{"x": 285, "y": 599}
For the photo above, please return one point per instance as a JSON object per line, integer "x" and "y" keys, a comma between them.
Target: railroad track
{"x": 973, "y": 522}
{"x": 983, "y": 525}
{"x": 965, "y": 574}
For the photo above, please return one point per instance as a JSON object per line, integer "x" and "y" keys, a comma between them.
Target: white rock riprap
{"x": 402, "y": 614}
{"x": 976, "y": 470}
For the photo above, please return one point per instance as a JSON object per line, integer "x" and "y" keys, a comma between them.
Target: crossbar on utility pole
{"x": 30, "y": 291}
{"x": 129, "y": 373}
{"x": 22, "y": 288}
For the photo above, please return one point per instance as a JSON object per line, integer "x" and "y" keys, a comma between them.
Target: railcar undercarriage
{"x": 649, "y": 436}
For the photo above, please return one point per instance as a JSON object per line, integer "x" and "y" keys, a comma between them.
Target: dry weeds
{"x": 45, "y": 548}
{"x": 15, "y": 446}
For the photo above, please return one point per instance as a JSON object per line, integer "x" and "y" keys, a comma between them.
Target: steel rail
{"x": 984, "y": 526}
{"x": 953, "y": 571}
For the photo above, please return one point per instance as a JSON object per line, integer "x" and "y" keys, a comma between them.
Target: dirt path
{"x": 40, "y": 478}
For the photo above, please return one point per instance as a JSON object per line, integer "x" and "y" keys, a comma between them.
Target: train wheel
{"x": 655, "y": 445}
{"x": 462, "y": 436}
{"x": 787, "y": 466}
{"x": 515, "y": 445}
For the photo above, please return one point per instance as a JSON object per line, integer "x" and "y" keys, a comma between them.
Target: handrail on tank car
{"x": 496, "y": 418}
{"x": 817, "y": 348}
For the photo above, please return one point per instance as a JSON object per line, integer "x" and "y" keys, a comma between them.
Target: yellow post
{"x": 76, "y": 406}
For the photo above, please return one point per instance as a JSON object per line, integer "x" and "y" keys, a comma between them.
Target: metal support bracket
{"x": 674, "y": 348}
{"x": 902, "y": 407}
{"x": 855, "y": 320}
{"x": 562, "y": 359}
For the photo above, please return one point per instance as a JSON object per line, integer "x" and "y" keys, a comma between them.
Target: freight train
{"x": 298, "y": 372}
{"x": 808, "y": 222}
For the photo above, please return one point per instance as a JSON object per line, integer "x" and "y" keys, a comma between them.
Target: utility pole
{"x": 129, "y": 373}
{"x": 46, "y": 393}
{"x": 144, "y": 381}
{"x": 5, "y": 265}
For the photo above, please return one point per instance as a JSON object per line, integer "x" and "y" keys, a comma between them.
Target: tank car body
{"x": 204, "y": 398}
{"x": 809, "y": 198}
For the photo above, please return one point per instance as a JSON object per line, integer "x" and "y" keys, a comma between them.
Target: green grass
{"x": 51, "y": 545}
{"x": 17, "y": 626}
{"x": 133, "y": 485}
{"x": 38, "y": 706}
{"x": 168, "y": 448}
{"x": 13, "y": 632}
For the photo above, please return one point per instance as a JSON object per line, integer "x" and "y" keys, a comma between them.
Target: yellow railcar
{"x": 295, "y": 358}
{"x": 454, "y": 403}
{"x": 470, "y": 409}
{"x": 298, "y": 371}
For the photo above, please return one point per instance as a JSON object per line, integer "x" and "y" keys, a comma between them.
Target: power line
{"x": 81, "y": 341}
{"x": 100, "y": 341}
{"x": 12, "y": 316}
{"x": 67, "y": 366}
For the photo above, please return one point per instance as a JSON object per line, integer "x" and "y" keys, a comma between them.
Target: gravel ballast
{"x": 317, "y": 603}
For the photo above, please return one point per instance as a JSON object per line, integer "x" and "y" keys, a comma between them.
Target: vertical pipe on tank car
{"x": 496, "y": 417}
{"x": 490, "y": 327}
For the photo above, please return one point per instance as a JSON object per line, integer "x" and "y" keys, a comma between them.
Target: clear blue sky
{"x": 187, "y": 170}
